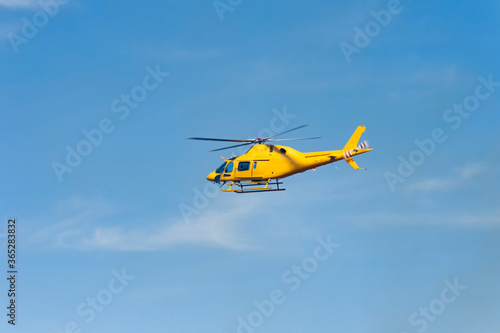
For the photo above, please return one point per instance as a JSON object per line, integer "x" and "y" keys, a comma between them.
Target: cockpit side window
{"x": 229, "y": 167}
{"x": 243, "y": 166}
{"x": 221, "y": 168}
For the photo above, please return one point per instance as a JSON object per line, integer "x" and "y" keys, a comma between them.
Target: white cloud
{"x": 72, "y": 216}
{"x": 460, "y": 176}
{"x": 92, "y": 225}
{"x": 442, "y": 75}
{"x": 489, "y": 219}
{"x": 430, "y": 185}
{"x": 179, "y": 54}
{"x": 14, "y": 4}
{"x": 471, "y": 170}
{"x": 217, "y": 230}
{"x": 190, "y": 55}
{"x": 151, "y": 294}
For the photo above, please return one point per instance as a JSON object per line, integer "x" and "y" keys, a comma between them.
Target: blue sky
{"x": 113, "y": 225}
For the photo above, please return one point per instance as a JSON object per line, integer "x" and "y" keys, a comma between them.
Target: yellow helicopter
{"x": 262, "y": 167}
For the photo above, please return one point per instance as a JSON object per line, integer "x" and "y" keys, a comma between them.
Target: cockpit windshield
{"x": 221, "y": 168}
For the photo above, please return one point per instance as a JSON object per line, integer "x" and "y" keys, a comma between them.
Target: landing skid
{"x": 255, "y": 186}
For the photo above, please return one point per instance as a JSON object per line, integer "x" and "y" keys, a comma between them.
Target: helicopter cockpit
{"x": 228, "y": 163}
{"x": 226, "y": 168}
{"x": 221, "y": 168}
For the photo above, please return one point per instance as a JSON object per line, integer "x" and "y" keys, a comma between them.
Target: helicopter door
{"x": 260, "y": 168}
{"x": 228, "y": 172}
{"x": 244, "y": 170}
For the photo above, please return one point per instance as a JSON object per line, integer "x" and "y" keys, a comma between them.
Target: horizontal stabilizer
{"x": 353, "y": 164}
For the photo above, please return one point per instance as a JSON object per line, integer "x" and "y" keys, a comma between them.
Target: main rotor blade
{"x": 293, "y": 129}
{"x": 228, "y": 140}
{"x": 274, "y": 140}
{"x": 245, "y": 144}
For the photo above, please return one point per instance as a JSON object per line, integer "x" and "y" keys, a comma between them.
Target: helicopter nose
{"x": 211, "y": 177}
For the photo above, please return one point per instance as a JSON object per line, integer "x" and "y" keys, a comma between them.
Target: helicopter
{"x": 264, "y": 165}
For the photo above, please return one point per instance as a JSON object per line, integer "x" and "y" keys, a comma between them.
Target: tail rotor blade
{"x": 364, "y": 145}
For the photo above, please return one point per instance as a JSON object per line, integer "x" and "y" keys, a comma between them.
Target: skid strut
{"x": 255, "y": 186}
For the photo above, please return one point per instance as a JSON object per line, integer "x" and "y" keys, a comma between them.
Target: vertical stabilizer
{"x": 353, "y": 141}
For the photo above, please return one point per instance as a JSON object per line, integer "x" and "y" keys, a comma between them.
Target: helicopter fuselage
{"x": 269, "y": 161}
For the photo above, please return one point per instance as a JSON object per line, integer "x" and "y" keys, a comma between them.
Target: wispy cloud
{"x": 485, "y": 220}
{"x": 71, "y": 217}
{"x": 15, "y": 4}
{"x": 180, "y": 53}
{"x": 431, "y": 185}
{"x": 92, "y": 225}
{"x": 471, "y": 170}
{"x": 151, "y": 294}
{"x": 210, "y": 229}
{"x": 439, "y": 75}
{"x": 459, "y": 177}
